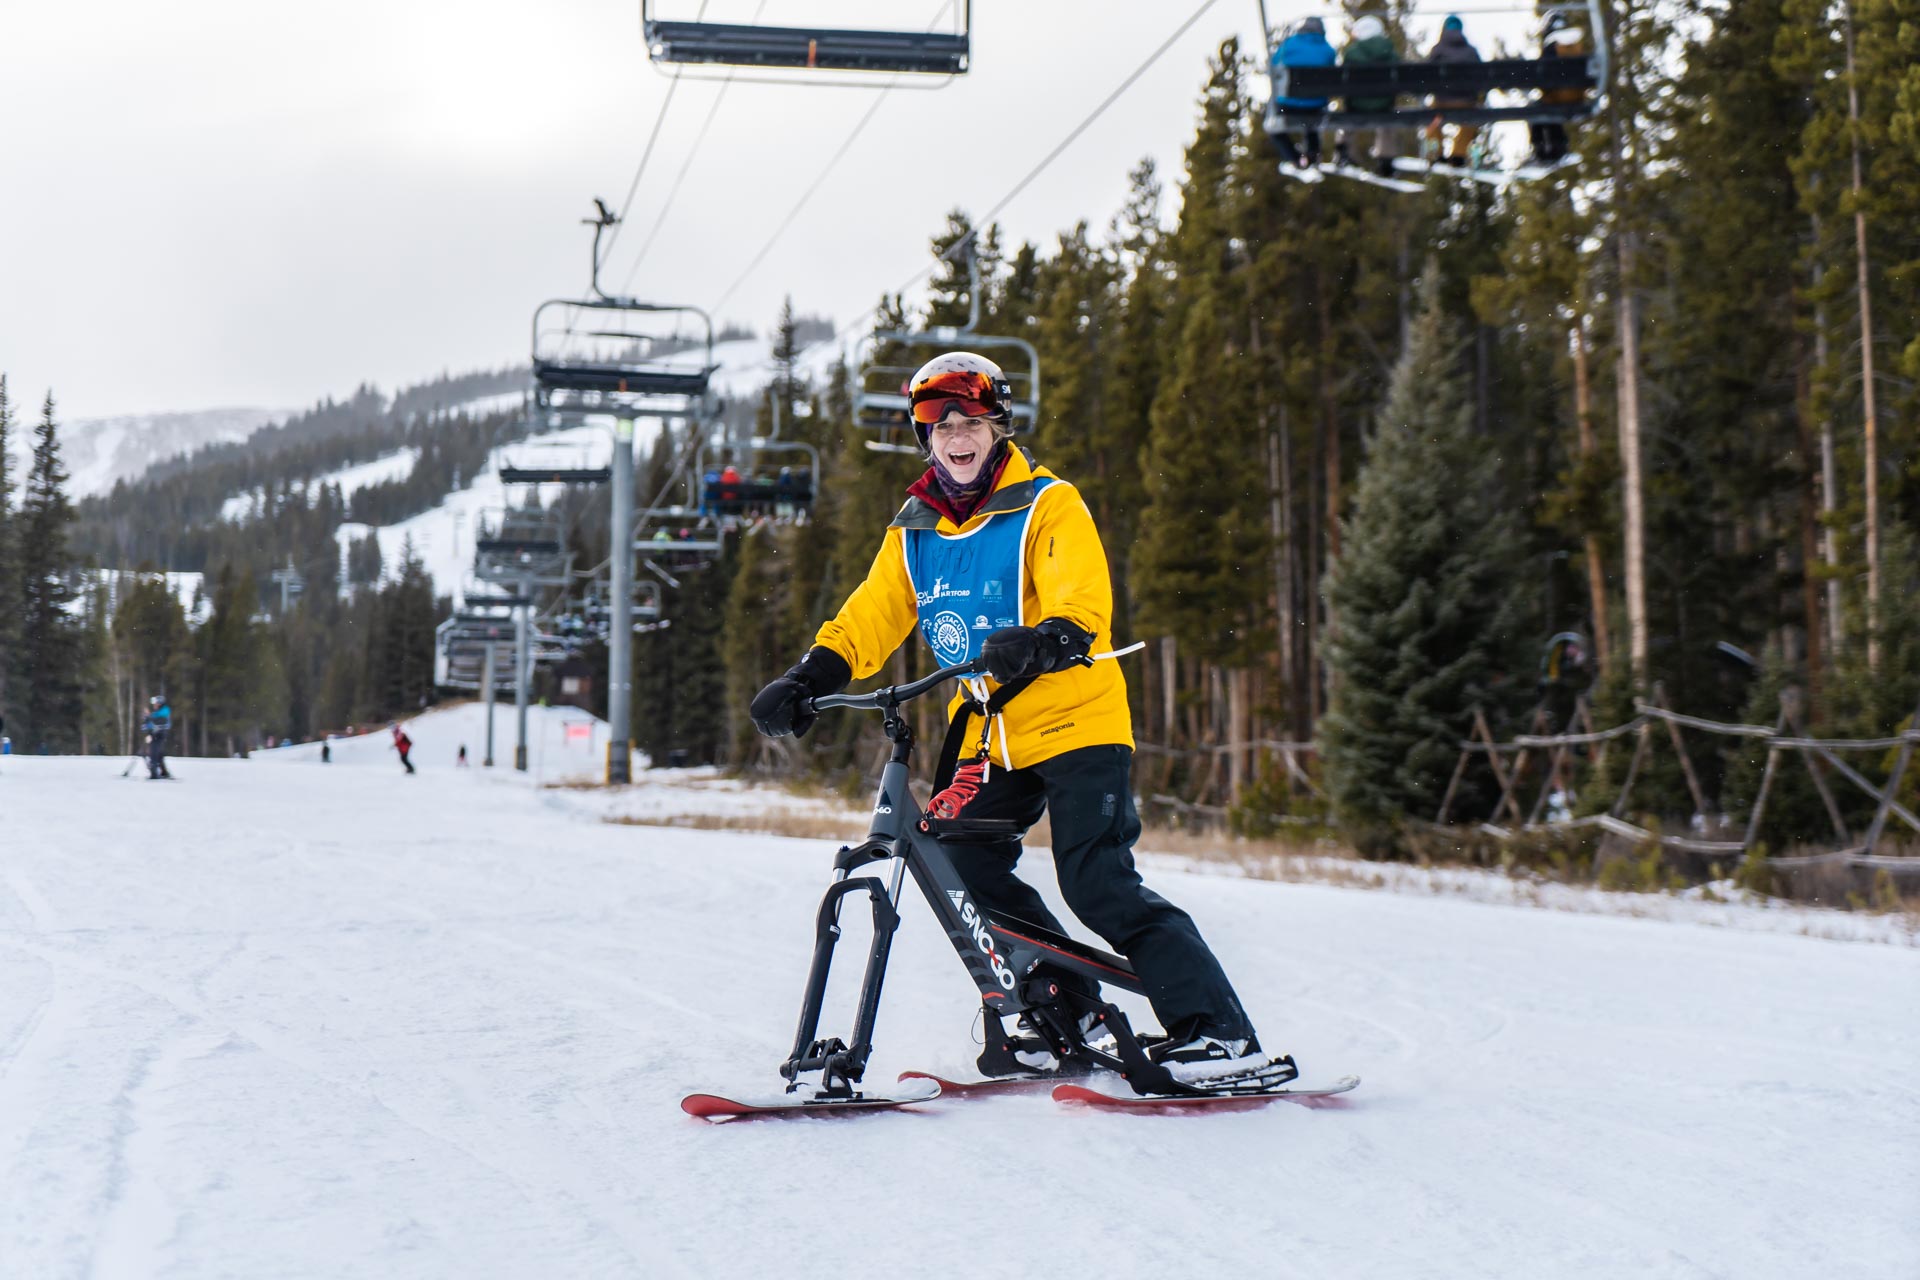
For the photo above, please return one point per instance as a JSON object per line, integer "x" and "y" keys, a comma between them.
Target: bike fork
{"x": 841, "y": 1065}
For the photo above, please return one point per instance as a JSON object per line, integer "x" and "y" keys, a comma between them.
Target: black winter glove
{"x": 1013, "y": 653}
{"x": 781, "y": 708}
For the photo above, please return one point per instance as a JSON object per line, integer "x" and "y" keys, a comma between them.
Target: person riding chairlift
{"x": 1558, "y": 39}
{"x": 1369, "y": 46}
{"x": 1306, "y": 47}
{"x": 1453, "y": 47}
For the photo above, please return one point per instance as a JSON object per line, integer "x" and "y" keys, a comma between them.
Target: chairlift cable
{"x": 987, "y": 219}
{"x": 633, "y": 187}
{"x": 821, "y": 177}
{"x": 685, "y": 165}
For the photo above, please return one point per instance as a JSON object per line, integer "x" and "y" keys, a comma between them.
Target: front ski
{"x": 712, "y": 1106}
{"x": 1199, "y": 1099}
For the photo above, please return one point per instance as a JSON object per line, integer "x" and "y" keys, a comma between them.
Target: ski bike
{"x": 1041, "y": 979}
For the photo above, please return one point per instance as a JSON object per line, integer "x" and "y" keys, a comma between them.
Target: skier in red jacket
{"x": 403, "y": 744}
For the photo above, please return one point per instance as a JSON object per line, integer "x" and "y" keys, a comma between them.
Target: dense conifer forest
{"x": 1356, "y": 458}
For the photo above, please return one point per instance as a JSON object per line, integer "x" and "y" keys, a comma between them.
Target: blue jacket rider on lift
{"x": 1306, "y": 47}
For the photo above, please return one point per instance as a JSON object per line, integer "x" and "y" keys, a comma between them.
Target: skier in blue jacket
{"x": 158, "y": 723}
{"x": 1306, "y": 47}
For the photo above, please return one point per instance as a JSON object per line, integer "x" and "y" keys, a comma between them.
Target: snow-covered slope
{"x": 394, "y": 466}
{"x": 444, "y": 537}
{"x": 97, "y": 452}
{"x": 280, "y": 1018}
{"x": 563, "y": 743}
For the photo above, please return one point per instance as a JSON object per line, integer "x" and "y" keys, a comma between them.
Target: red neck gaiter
{"x": 958, "y": 504}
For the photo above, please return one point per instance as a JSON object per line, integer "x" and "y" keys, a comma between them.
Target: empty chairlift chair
{"x": 538, "y": 462}
{"x": 811, "y": 49}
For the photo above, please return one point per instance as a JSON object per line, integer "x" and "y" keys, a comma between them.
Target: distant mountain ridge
{"x": 98, "y": 452}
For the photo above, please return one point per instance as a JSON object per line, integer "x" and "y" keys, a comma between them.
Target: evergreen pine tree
{"x": 49, "y": 653}
{"x": 1197, "y": 573}
{"x": 9, "y": 554}
{"x": 1422, "y": 591}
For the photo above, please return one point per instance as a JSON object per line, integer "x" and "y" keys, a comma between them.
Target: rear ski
{"x": 1202, "y": 1099}
{"x": 711, "y": 1106}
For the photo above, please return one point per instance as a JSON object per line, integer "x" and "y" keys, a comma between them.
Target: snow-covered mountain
{"x": 99, "y": 451}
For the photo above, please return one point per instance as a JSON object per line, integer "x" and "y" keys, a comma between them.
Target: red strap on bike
{"x": 967, "y": 780}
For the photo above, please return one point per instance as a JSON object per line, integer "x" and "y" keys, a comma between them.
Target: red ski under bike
{"x": 1031, "y": 975}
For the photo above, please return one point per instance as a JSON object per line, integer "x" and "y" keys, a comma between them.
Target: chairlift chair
{"x": 522, "y": 546}
{"x": 580, "y": 364}
{"x": 546, "y": 462}
{"x": 880, "y": 400}
{"x": 811, "y": 50}
{"x": 1475, "y": 81}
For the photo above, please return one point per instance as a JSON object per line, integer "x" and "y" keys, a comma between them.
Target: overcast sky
{"x": 228, "y": 202}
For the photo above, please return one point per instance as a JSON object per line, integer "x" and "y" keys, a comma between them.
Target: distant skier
{"x": 158, "y": 723}
{"x": 462, "y": 759}
{"x": 403, "y": 744}
{"x": 326, "y": 751}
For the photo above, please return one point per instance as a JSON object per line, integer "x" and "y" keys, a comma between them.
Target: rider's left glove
{"x": 781, "y": 708}
{"x": 1013, "y": 653}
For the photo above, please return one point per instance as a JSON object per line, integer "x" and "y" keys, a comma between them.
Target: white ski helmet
{"x": 1369, "y": 28}
{"x": 960, "y": 379}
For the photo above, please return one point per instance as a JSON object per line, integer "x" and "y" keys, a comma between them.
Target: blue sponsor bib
{"x": 970, "y": 584}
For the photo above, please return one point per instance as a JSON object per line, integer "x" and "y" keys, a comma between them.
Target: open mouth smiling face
{"x": 961, "y": 445}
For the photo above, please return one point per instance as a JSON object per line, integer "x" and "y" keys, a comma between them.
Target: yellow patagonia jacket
{"x": 1029, "y": 553}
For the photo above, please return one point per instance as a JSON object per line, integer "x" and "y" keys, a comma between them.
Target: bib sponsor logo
{"x": 947, "y": 633}
{"x": 942, "y": 590}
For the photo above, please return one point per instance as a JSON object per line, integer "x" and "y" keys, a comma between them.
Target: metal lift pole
{"x": 522, "y": 643}
{"x": 620, "y": 625}
{"x": 486, "y": 696}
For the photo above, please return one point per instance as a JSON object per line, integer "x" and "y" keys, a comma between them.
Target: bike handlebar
{"x": 893, "y": 694}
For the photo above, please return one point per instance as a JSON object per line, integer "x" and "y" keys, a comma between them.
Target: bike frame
{"x": 1016, "y": 966}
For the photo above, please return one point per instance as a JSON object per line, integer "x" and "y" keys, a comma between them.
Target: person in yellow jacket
{"x": 1559, "y": 38}
{"x": 995, "y": 557}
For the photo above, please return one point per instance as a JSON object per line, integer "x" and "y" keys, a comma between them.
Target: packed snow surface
{"x": 296, "y": 1019}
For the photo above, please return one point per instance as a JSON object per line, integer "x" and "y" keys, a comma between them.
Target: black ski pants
{"x": 1088, "y": 794}
{"x": 157, "y": 754}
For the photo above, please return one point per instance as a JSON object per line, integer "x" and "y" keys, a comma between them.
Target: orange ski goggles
{"x": 974, "y": 394}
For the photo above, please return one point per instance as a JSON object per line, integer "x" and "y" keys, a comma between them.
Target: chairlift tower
{"x": 592, "y": 357}
{"x": 290, "y": 583}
